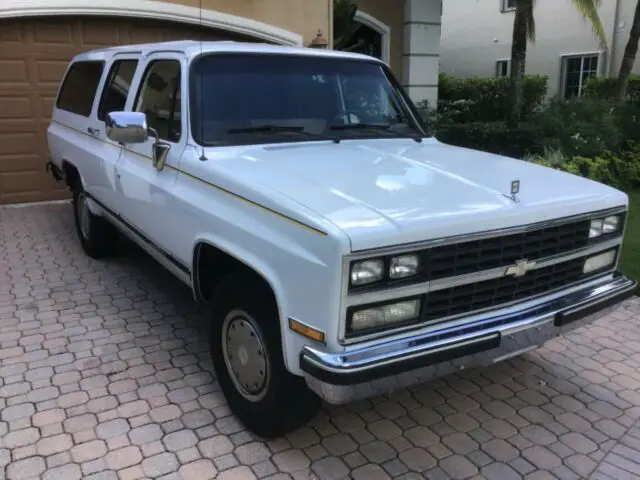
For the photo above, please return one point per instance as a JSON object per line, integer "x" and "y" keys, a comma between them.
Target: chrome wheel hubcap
{"x": 245, "y": 356}
{"x": 84, "y": 215}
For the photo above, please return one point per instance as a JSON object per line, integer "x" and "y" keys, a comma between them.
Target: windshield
{"x": 260, "y": 98}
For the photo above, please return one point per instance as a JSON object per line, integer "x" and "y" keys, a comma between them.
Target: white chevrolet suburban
{"x": 342, "y": 251}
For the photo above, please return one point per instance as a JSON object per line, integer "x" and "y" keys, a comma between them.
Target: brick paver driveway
{"x": 104, "y": 374}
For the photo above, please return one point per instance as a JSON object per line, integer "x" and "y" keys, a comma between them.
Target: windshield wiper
{"x": 377, "y": 127}
{"x": 296, "y": 129}
{"x": 268, "y": 129}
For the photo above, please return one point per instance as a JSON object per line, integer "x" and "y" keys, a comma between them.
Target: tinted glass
{"x": 159, "y": 98}
{"x": 502, "y": 69}
{"x": 313, "y": 95}
{"x": 116, "y": 90}
{"x": 79, "y": 87}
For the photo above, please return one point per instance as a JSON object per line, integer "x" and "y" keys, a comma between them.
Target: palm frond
{"x": 589, "y": 10}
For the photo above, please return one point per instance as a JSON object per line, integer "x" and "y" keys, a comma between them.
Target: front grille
{"x": 492, "y": 293}
{"x": 477, "y": 255}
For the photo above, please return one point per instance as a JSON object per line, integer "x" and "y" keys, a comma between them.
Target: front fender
{"x": 284, "y": 264}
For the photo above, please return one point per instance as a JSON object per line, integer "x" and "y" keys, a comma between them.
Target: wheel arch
{"x": 242, "y": 260}
{"x": 235, "y": 260}
{"x": 71, "y": 174}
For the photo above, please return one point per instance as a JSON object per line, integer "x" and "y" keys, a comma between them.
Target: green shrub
{"x": 603, "y": 88}
{"x": 588, "y": 127}
{"x": 627, "y": 121}
{"x": 479, "y": 99}
{"x": 620, "y": 171}
{"x": 580, "y": 127}
{"x": 429, "y": 116}
{"x": 494, "y": 137}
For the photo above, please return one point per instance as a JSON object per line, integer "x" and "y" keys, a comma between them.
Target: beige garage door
{"x": 33, "y": 57}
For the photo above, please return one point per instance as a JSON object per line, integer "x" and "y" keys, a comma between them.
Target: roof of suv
{"x": 192, "y": 48}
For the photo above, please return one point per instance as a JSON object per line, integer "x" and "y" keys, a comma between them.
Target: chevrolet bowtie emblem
{"x": 520, "y": 268}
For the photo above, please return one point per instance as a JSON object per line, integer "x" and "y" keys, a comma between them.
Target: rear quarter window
{"x": 79, "y": 87}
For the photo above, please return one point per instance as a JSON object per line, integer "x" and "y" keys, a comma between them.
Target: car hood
{"x": 396, "y": 191}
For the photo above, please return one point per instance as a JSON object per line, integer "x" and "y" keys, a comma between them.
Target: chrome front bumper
{"x": 384, "y": 367}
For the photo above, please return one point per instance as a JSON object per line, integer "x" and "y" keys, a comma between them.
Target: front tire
{"x": 97, "y": 236}
{"x": 247, "y": 357}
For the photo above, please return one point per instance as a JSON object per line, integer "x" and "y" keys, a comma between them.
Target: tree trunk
{"x": 518, "y": 59}
{"x": 629, "y": 56}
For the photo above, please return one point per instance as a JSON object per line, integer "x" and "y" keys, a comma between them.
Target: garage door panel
{"x": 16, "y": 107}
{"x": 54, "y": 31}
{"x": 13, "y": 71}
{"x": 20, "y": 163}
{"x": 49, "y": 70}
{"x": 20, "y": 183}
{"x": 100, "y": 34}
{"x": 18, "y": 140}
{"x": 34, "y": 54}
{"x": 46, "y": 106}
{"x": 11, "y": 31}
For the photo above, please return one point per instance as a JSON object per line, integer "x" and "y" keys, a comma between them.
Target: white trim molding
{"x": 153, "y": 10}
{"x": 377, "y": 26}
{"x": 600, "y": 71}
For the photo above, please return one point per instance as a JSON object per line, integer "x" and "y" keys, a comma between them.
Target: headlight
{"x": 599, "y": 262}
{"x": 605, "y": 226}
{"x": 611, "y": 224}
{"x": 404, "y": 266}
{"x": 367, "y": 271}
{"x": 385, "y": 316}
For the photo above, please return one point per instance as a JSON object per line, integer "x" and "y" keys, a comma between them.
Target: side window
{"x": 159, "y": 98}
{"x": 79, "y": 87}
{"x": 116, "y": 89}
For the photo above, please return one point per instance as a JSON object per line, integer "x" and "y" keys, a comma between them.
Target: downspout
{"x": 330, "y": 29}
{"x": 614, "y": 38}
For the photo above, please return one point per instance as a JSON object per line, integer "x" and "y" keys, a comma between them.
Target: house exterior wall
{"x": 476, "y": 34}
{"x": 304, "y": 17}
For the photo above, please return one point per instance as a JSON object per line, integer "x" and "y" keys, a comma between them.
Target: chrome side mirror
{"x": 131, "y": 127}
{"x": 127, "y": 127}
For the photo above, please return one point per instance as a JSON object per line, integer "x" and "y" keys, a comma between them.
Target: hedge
{"x": 493, "y": 137}
{"x": 603, "y": 88}
{"x": 479, "y": 99}
{"x": 620, "y": 171}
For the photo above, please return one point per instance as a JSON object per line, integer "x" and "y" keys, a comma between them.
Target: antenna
{"x": 203, "y": 157}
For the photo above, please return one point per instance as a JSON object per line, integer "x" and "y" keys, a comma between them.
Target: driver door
{"x": 145, "y": 191}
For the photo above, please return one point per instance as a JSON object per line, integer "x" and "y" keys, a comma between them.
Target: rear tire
{"x": 97, "y": 236}
{"x": 246, "y": 350}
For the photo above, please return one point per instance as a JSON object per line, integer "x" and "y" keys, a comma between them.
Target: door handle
{"x": 93, "y": 131}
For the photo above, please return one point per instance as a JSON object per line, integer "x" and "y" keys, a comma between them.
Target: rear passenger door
{"x": 113, "y": 98}
{"x": 145, "y": 192}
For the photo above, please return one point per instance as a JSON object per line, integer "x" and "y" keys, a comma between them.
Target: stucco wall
{"x": 475, "y": 34}
{"x": 304, "y": 17}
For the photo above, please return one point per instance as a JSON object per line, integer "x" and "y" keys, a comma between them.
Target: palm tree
{"x": 524, "y": 28}
{"x": 629, "y": 56}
